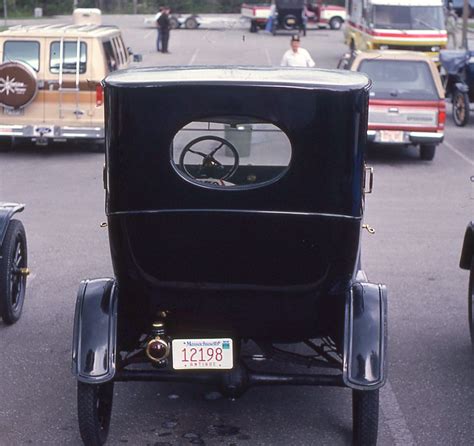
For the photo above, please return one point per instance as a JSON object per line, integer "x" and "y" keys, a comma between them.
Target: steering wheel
{"x": 210, "y": 167}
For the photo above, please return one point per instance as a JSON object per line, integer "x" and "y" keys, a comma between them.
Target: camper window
{"x": 111, "y": 56}
{"x": 23, "y": 51}
{"x": 69, "y": 57}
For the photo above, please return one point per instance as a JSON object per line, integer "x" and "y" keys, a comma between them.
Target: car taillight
{"x": 99, "y": 95}
{"x": 441, "y": 114}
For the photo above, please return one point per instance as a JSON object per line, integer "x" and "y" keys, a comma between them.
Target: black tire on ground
{"x": 365, "y": 417}
{"x": 191, "y": 23}
{"x": 427, "y": 151}
{"x": 174, "y": 23}
{"x": 97, "y": 147}
{"x": 5, "y": 146}
{"x": 13, "y": 258}
{"x": 94, "y": 409}
{"x": 470, "y": 301}
{"x": 335, "y": 23}
{"x": 460, "y": 108}
{"x": 253, "y": 26}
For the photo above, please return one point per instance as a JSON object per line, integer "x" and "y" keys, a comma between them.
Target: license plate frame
{"x": 391, "y": 136}
{"x": 195, "y": 354}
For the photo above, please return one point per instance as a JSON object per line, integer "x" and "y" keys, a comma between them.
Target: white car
{"x": 188, "y": 21}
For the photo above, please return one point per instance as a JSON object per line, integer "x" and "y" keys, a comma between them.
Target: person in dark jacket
{"x": 164, "y": 24}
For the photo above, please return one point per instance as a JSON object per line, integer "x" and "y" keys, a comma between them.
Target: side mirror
{"x": 137, "y": 58}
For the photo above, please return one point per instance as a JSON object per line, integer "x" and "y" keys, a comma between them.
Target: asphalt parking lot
{"x": 419, "y": 210}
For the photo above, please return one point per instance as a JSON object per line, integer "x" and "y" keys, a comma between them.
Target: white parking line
{"x": 394, "y": 418}
{"x": 193, "y": 57}
{"x": 268, "y": 57}
{"x": 148, "y": 34}
{"x": 458, "y": 152}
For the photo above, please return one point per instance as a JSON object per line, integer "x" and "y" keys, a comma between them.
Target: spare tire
{"x": 18, "y": 84}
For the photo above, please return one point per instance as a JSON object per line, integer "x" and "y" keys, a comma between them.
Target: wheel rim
{"x": 459, "y": 108}
{"x": 17, "y": 279}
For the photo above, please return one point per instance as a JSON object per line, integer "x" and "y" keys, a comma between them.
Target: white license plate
{"x": 202, "y": 354}
{"x": 391, "y": 136}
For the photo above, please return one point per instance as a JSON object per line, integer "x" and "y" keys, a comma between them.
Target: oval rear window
{"x": 228, "y": 152}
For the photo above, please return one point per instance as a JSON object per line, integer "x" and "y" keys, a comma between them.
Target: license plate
{"x": 391, "y": 136}
{"x": 202, "y": 354}
{"x": 291, "y": 21}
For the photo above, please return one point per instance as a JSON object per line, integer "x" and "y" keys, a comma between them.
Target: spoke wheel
{"x": 460, "y": 108}
{"x": 94, "y": 408}
{"x": 13, "y": 263}
{"x": 470, "y": 298}
{"x": 365, "y": 417}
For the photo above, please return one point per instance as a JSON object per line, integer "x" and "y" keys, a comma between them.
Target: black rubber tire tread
{"x": 427, "y": 151}
{"x": 365, "y": 417}
{"x": 335, "y": 23}
{"x": 93, "y": 433}
{"x": 7, "y": 252}
{"x": 465, "y": 98}
{"x": 470, "y": 299}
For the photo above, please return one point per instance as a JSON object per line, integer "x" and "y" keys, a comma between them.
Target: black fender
{"x": 365, "y": 336}
{"x": 95, "y": 331}
{"x": 6, "y": 212}
{"x": 467, "y": 252}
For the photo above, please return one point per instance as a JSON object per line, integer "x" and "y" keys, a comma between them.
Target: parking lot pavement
{"x": 419, "y": 210}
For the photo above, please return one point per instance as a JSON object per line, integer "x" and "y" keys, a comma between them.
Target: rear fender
{"x": 365, "y": 336}
{"x": 6, "y": 212}
{"x": 467, "y": 252}
{"x": 95, "y": 331}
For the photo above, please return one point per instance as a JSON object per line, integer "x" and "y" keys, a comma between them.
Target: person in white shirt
{"x": 296, "y": 56}
{"x": 158, "y": 36}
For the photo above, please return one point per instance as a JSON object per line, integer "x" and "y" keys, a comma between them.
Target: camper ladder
{"x": 76, "y": 88}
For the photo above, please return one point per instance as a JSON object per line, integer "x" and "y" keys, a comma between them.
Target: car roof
{"x": 393, "y": 55}
{"x": 297, "y": 77}
{"x": 58, "y": 30}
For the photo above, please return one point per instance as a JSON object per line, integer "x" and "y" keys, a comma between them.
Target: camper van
{"x": 50, "y": 78}
{"x": 416, "y": 25}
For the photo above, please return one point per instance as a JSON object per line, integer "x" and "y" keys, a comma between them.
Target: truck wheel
{"x": 94, "y": 409}
{"x": 365, "y": 417}
{"x": 253, "y": 26}
{"x": 13, "y": 264}
{"x": 460, "y": 108}
{"x": 335, "y": 23}
{"x": 427, "y": 151}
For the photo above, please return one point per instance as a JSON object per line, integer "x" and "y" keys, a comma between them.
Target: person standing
{"x": 164, "y": 24}
{"x": 158, "y": 36}
{"x": 296, "y": 56}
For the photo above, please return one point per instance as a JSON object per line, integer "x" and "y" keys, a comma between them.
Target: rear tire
{"x": 427, "y": 151}
{"x": 174, "y": 23}
{"x": 94, "y": 409}
{"x": 335, "y": 23}
{"x": 191, "y": 23}
{"x": 253, "y": 26}
{"x": 365, "y": 417}
{"x": 470, "y": 301}
{"x": 460, "y": 108}
{"x": 13, "y": 257}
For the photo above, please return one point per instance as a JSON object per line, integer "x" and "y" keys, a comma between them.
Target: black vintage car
{"x": 235, "y": 200}
{"x": 13, "y": 263}
{"x": 458, "y": 79}
{"x": 289, "y": 16}
{"x": 467, "y": 262}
